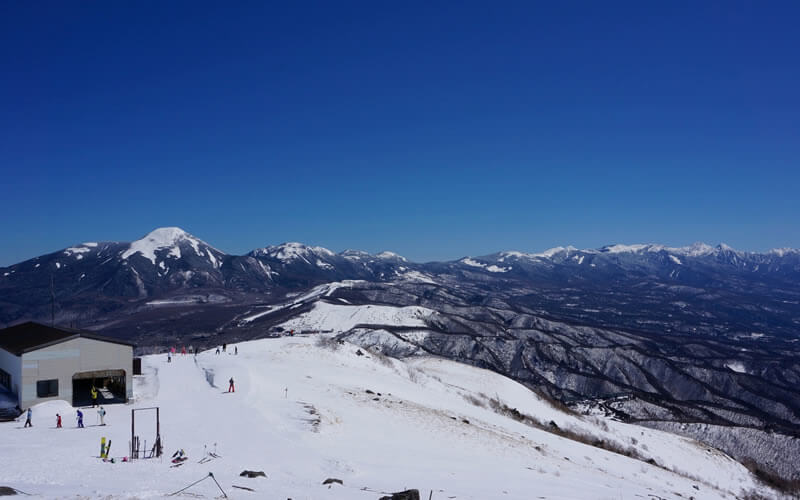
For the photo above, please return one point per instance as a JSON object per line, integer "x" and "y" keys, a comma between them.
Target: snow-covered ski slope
{"x": 341, "y": 318}
{"x": 301, "y": 413}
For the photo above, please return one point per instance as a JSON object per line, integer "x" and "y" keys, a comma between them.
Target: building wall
{"x": 62, "y": 361}
{"x": 12, "y": 365}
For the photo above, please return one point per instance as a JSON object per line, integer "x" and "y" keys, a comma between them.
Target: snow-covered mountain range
{"x": 699, "y": 340}
{"x": 171, "y": 261}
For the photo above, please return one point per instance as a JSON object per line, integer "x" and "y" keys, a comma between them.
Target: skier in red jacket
{"x": 58, "y": 421}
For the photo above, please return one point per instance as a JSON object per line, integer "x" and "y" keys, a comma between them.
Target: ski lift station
{"x": 42, "y": 363}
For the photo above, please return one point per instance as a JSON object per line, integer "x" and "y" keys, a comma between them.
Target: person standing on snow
{"x": 80, "y": 419}
{"x": 58, "y": 421}
{"x": 183, "y": 351}
{"x": 169, "y": 357}
{"x": 231, "y": 387}
{"x": 94, "y": 396}
{"x": 28, "y": 419}
{"x": 102, "y": 413}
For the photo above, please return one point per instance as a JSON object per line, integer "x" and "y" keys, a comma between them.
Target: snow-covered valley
{"x": 311, "y": 408}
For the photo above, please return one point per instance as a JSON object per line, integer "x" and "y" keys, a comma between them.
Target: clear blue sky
{"x": 435, "y": 130}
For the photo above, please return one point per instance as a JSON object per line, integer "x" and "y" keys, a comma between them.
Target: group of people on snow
{"x": 173, "y": 350}
{"x": 224, "y": 348}
{"x": 101, "y": 413}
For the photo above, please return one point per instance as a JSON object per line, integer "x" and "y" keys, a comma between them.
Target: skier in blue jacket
{"x": 80, "y": 419}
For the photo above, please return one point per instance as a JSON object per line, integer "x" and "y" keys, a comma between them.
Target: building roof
{"x": 30, "y": 336}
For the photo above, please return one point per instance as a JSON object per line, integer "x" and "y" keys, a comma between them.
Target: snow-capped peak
{"x": 292, "y": 251}
{"x": 696, "y": 249}
{"x": 165, "y": 238}
{"x": 547, "y": 254}
{"x": 725, "y": 248}
{"x": 782, "y": 252}
{"x": 626, "y": 248}
{"x": 390, "y": 255}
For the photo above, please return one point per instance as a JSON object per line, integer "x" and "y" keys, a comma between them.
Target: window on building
{"x": 47, "y": 388}
{"x": 5, "y": 379}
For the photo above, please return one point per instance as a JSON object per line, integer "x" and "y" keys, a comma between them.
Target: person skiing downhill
{"x": 58, "y": 421}
{"x": 94, "y": 396}
{"x": 80, "y": 419}
{"x": 28, "y": 419}
{"x": 231, "y": 387}
{"x": 102, "y": 413}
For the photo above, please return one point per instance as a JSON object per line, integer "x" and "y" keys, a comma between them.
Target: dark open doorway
{"x": 110, "y": 385}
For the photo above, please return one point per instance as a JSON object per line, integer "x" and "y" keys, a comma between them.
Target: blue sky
{"x": 435, "y": 130}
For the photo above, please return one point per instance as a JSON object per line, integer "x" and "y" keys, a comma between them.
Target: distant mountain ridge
{"x": 93, "y": 279}
{"x": 171, "y": 238}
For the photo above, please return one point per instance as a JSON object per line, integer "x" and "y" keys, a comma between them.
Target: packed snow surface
{"x": 305, "y": 410}
{"x": 492, "y": 269}
{"x": 77, "y": 251}
{"x": 318, "y": 291}
{"x": 497, "y": 269}
{"x": 736, "y": 366}
{"x": 341, "y": 318}
{"x": 416, "y": 276}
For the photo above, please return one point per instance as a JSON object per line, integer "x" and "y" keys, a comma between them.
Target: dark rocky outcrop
{"x": 403, "y": 495}
{"x": 252, "y": 473}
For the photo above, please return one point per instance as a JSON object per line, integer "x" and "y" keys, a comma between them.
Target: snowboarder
{"x": 94, "y": 396}
{"x": 28, "y": 420}
{"x": 224, "y": 346}
{"x": 217, "y": 349}
{"x": 58, "y": 421}
{"x": 169, "y": 357}
{"x": 231, "y": 387}
{"x": 80, "y": 419}
{"x": 102, "y": 413}
{"x": 236, "y": 350}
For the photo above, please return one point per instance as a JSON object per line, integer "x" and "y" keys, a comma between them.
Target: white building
{"x": 41, "y": 363}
